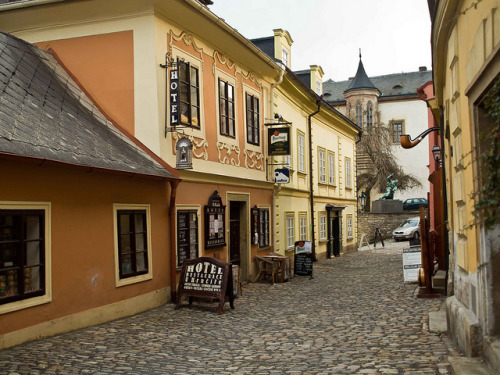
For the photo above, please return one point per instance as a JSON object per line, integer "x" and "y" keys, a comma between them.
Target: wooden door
{"x": 234, "y": 233}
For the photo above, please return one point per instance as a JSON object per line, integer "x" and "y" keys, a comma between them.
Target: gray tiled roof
{"x": 391, "y": 85}
{"x": 361, "y": 80}
{"x": 44, "y": 114}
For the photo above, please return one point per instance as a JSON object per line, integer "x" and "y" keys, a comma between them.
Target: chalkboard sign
{"x": 303, "y": 261}
{"x": 215, "y": 218}
{"x": 206, "y": 277}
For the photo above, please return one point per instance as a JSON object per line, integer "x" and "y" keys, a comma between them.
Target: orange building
{"x": 84, "y": 216}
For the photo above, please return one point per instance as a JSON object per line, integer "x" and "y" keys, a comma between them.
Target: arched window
{"x": 369, "y": 114}
{"x": 359, "y": 114}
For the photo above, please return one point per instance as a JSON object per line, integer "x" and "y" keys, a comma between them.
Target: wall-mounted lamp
{"x": 436, "y": 152}
{"x": 362, "y": 200}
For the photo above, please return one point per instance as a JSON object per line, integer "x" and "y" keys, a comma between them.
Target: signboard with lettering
{"x": 215, "y": 219}
{"x": 412, "y": 261}
{"x": 279, "y": 141}
{"x": 303, "y": 260}
{"x": 206, "y": 277}
{"x": 174, "y": 94}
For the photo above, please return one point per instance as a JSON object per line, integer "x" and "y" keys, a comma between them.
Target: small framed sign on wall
{"x": 215, "y": 222}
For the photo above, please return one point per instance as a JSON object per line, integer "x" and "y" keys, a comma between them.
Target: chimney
{"x": 422, "y": 68}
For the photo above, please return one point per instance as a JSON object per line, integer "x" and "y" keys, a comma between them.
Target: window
{"x": 322, "y": 227}
{"x": 347, "y": 173}
{"x": 187, "y": 235}
{"x": 369, "y": 114}
{"x": 301, "y": 152}
{"x": 331, "y": 168}
{"x": 226, "y": 108}
{"x": 285, "y": 57}
{"x": 132, "y": 243}
{"x": 349, "y": 226}
{"x": 322, "y": 166}
{"x": 303, "y": 227}
{"x": 290, "y": 238}
{"x": 287, "y": 160}
{"x": 252, "y": 119}
{"x": 189, "y": 95}
{"x": 22, "y": 254}
{"x": 397, "y": 131}
{"x": 359, "y": 114}
{"x": 263, "y": 227}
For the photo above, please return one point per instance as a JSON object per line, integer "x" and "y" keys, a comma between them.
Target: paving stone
{"x": 356, "y": 316}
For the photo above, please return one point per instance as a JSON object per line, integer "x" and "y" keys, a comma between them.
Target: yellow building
{"x": 466, "y": 66}
{"x": 322, "y": 156}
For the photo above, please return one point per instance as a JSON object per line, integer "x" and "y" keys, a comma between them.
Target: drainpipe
{"x": 275, "y": 191}
{"x": 173, "y": 268}
{"x": 311, "y": 189}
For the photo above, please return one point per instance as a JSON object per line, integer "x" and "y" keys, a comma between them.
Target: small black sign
{"x": 303, "y": 261}
{"x": 279, "y": 141}
{"x": 206, "y": 277}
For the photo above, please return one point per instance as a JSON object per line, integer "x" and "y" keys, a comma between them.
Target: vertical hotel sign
{"x": 279, "y": 141}
{"x": 174, "y": 94}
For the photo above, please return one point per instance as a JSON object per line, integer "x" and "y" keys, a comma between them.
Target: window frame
{"x": 321, "y": 165}
{"x": 224, "y": 111}
{"x": 302, "y": 227}
{"x": 348, "y": 174}
{"x": 252, "y": 116}
{"x": 359, "y": 114}
{"x": 401, "y": 131}
{"x": 290, "y": 230}
{"x": 301, "y": 152}
{"x": 349, "y": 228}
{"x": 322, "y": 226}
{"x": 188, "y": 210}
{"x": 285, "y": 56}
{"x": 188, "y": 102}
{"x": 369, "y": 114}
{"x": 38, "y": 298}
{"x": 263, "y": 227}
{"x": 331, "y": 168}
{"x": 139, "y": 277}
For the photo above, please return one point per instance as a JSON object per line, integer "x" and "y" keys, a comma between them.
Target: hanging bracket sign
{"x": 279, "y": 141}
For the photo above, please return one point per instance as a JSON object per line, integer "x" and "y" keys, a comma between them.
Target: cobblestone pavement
{"x": 355, "y": 317}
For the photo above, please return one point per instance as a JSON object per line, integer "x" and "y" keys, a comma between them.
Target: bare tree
{"x": 376, "y": 161}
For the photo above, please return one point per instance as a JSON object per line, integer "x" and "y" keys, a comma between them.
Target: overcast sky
{"x": 394, "y": 35}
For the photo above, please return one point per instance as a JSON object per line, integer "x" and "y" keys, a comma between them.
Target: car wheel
{"x": 416, "y": 236}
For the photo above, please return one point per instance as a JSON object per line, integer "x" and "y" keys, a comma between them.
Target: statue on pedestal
{"x": 391, "y": 188}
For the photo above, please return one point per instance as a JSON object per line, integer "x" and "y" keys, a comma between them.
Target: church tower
{"x": 362, "y": 99}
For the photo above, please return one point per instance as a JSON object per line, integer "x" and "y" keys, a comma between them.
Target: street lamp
{"x": 362, "y": 200}
{"x": 436, "y": 152}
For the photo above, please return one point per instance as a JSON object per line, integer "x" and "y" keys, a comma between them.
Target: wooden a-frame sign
{"x": 206, "y": 277}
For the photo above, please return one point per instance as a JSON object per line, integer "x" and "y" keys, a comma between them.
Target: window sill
{"x": 350, "y": 238}
{"x": 301, "y": 173}
{"x": 264, "y": 248}
{"x": 348, "y": 188}
{"x": 323, "y": 240}
{"x": 322, "y": 184}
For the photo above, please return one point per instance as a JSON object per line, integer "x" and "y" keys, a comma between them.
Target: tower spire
{"x": 360, "y": 53}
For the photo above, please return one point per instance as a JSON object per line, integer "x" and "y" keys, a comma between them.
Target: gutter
{"x": 173, "y": 236}
{"x": 311, "y": 186}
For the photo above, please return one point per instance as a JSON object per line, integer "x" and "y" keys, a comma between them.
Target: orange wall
{"x": 104, "y": 66}
{"x": 83, "y": 275}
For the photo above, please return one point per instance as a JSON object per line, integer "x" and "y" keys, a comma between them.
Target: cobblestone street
{"x": 355, "y": 317}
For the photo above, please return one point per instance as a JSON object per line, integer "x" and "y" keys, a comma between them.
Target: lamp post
{"x": 362, "y": 200}
{"x": 436, "y": 152}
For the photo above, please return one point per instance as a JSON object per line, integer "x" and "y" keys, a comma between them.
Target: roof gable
{"x": 44, "y": 114}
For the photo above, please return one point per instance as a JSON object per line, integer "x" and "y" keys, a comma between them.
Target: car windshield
{"x": 410, "y": 223}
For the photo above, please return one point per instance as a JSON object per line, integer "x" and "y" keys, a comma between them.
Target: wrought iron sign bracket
{"x": 170, "y": 62}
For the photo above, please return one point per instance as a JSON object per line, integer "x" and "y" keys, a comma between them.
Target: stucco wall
{"x": 368, "y": 222}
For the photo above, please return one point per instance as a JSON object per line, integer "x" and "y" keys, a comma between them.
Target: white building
{"x": 391, "y": 100}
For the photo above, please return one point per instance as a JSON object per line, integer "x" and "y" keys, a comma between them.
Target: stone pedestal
{"x": 387, "y": 205}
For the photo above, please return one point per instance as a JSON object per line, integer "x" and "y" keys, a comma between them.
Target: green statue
{"x": 391, "y": 188}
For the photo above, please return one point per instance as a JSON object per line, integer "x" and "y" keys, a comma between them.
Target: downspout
{"x": 173, "y": 268}
{"x": 278, "y": 189}
{"x": 311, "y": 189}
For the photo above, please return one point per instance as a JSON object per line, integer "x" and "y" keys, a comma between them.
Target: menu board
{"x": 215, "y": 218}
{"x": 412, "y": 261}
{"x": 303, "y": 260}
{"x": 206, "y": 277}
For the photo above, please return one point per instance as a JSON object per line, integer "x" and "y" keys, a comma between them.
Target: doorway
{"x": 239, "y": 252}
{"x": 334, "y": 231}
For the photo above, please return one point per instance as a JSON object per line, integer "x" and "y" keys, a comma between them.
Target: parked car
{"x": 414, "y": 203}
{"x": 407, "y": 230}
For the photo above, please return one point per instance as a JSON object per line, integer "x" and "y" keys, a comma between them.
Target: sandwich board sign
{"x": 282, "y": 176}
{"x": 412, "y": 261}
